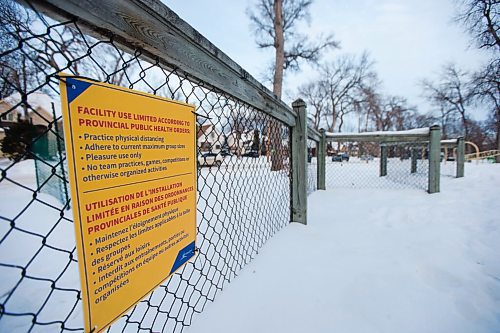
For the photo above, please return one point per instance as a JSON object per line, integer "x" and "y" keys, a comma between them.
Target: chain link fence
{"x": 452, "y": 157}
{"x": 357, "y": 165}
{"x": 449, "y": 161}
{"x": 448, "y": 168}
{"x": 243, "y": 178}
{"x": 312, "y": 166}
{"x": 51, "y": 171}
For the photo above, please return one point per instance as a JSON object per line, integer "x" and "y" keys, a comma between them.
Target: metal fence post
{"x": 434, "y": 158}
{"x": 460, "y": 157}
{"x": 383, "y": 160}
{"x": 321, "y": 160}
{"x": 414, "y": 156}
{"x": 299, "y": 162}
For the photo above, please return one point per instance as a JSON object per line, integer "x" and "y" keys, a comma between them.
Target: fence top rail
{"x": 313, "y": 134}
{"x": 449, "y": 143}
{"x": 155, "y": 28}
{"x": 413, "y": 135}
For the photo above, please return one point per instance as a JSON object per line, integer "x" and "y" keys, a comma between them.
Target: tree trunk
{"x": 466, "y": 126}
{"x": 334, "y": 119}
{"x": 276, "y": 146}
{"x": 279, "y": 46}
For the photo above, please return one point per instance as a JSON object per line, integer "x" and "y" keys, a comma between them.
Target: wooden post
{"x": 460, "y": 157}
{"x": 299, "y": 162}
{"x": 383, "y": 160}
{"x": 434, "y": 158}
{"x": 321, "y": 160}
{"x": 414, "y": 156}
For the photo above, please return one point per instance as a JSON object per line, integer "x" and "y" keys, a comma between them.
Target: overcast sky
{"x": 408, "y": 39}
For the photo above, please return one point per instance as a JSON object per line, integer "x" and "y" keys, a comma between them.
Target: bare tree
{"x": 342, "y": 80}
{"x": 486, "y": 90}
{"x": 315, "y": 96}
{"x": 371, "y": 106}
{"x": 480, "y": 19}
{"x": 275, "y": 24}
{"x": 383, "y": 112}
{"x": 338, "y": 92}
{"x": 17, "y": 70}
{"x": 453, "y": 92}
{"x": 400, "y": 114}
{"x": 31, "y": 52}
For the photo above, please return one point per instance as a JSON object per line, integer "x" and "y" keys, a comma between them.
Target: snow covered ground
{"x": 375, "y": 260}
{"x": 370, "y": 260}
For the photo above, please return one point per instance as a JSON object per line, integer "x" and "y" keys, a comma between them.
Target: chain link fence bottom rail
{"x": 243, "y": 195}
{"x": 357, "y": 165}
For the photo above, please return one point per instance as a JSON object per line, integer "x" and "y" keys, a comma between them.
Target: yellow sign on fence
{"x": 132, "y": 167}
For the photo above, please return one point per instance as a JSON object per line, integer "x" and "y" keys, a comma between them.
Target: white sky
{"x": 408, "y": 39}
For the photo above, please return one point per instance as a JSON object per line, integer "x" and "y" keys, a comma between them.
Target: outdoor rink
{"x": 370, "y": 260}
{"x": 374, "y": 260}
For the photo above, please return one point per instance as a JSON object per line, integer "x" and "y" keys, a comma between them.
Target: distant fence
{"x": 404, "y": 159}
{"x": 394, "y": 159}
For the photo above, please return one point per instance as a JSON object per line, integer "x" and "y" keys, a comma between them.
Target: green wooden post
{"x": 299, "y": 162}
{"x": 434, "y": 158}
{"x": 460, "y": 157}
{"x": 321, "y": 159}
{"x": 383, "y": 160}
{"x": 414, "y": 155}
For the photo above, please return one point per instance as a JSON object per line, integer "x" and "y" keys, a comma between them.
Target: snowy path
{"x": 376, "y": 261}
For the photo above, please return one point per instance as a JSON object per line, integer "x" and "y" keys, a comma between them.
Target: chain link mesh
{"x": 357, "y": 165}
{"x": 448, "y": 168}
{"x": 241, "y": 203}
{"x": 312, "y": 166}
{"x": 448, "y": 162}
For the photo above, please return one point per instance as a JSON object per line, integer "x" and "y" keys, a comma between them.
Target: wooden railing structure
{"x": 430, "y": 136}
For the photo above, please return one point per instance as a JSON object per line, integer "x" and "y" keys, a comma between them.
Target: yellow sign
{"x": 132, "y": 168}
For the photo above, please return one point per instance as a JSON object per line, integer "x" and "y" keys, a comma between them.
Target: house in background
{"x": 209, "y": 139}
{"x": 240, "y": 143}
{"x": 38, "y": 110}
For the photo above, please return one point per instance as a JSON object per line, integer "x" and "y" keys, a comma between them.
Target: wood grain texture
{"x": 434, "y": 159}
{"x": 321, "y": 160}
{"x": 313, "y": 134}
{"x": 460, "y": 157}
{"x": 383, "y": 161}
{"x": 414, "y": 160}
{"x": 299, "y": 164}
{"x": 153, "y": 27}
{"x": 449, "y": 144}
{"x": 379, "y": 138}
